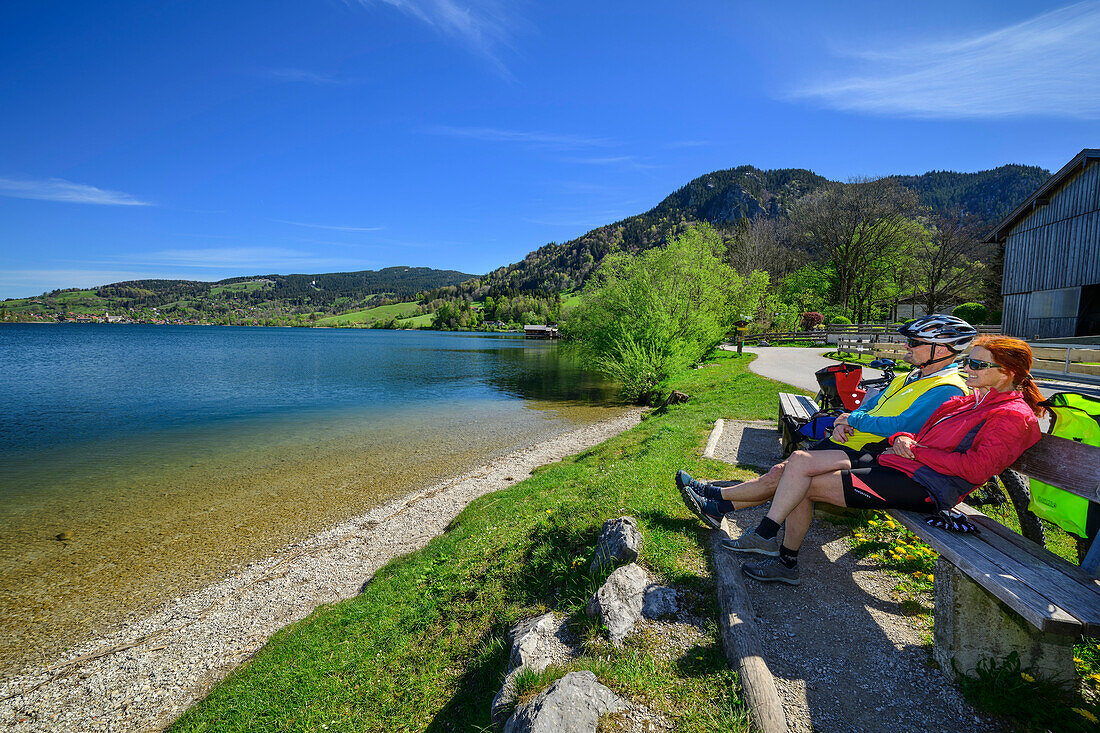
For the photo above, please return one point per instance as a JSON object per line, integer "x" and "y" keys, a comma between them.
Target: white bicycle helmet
{"x": 950, "y": 331}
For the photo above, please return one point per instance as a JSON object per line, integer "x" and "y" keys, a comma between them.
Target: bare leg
{"x": 808, "y": 477}
{"x": 809, "y": 463}
{"x": 755, "y": 491}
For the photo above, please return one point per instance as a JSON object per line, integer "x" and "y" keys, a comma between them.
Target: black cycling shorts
{"x": 859, "y": 457}
{"x": 882, "y": 487}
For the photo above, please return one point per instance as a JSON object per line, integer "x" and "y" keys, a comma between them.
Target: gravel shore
{"x": 145, "y": 675}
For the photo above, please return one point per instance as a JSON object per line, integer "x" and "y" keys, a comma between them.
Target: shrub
{"x": 840, "y": 320}
{"x": 811, "y": 320}
{"x": 994, "y": 318}
{"x": 973, "y": 313}
{"x": 647, "y": 316}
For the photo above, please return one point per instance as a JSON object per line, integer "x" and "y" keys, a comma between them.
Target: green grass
{"x": 416, "y": 321}
{"x": 381, "y": 313}
{"x": 865, "y": 359}
{"x": 423, "y": 647}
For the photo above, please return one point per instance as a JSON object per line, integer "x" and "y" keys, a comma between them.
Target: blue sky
{"x": 203, "y": 140}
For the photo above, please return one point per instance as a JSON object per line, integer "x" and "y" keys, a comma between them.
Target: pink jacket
{"x": 966, "y": 442}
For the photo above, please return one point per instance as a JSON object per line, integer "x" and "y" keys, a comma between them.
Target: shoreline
{"x": 146, "y": 674}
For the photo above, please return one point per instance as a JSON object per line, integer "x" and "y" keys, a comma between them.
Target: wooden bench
{"x": 988, "y": 584}
{"x": 796, "y": 406}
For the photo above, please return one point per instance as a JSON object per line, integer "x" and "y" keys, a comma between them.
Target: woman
{"x": 965, "y": 442}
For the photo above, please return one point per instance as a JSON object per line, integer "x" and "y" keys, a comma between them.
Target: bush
{"x": 972, "y": 313}
{"x": 648, "y": 316}
{"x": 811, "y": 320}
{"x": 994, "y": 318}
{"x": 840, "y": 320}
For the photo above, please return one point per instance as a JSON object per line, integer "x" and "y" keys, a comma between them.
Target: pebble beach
{"x": 145, "y": 674}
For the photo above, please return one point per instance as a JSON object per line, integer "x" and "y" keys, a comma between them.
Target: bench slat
{"x": 1076, "y": 593}
{"x": 1064, "y": 463}
{"x": 974, "y": 559}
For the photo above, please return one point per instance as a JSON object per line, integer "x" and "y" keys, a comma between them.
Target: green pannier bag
{"x": 1075, "y": 417}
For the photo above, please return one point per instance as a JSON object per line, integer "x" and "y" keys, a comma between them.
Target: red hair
{"x": 1014, "y": 356}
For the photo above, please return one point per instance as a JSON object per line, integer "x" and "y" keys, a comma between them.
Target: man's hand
{"x": 903, "y": 446}
{"x": 842, "y": 430}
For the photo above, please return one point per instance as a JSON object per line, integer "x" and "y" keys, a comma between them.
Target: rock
{"x": 620, "y": 542}
{"x": 677, "y": 397}
{"x": 531, "y": 642}
{"x": 65, "y": 536}
{"x": 618, "y": 603}
{"x": 572, "y": 704}
{"x": 660, "y": 601}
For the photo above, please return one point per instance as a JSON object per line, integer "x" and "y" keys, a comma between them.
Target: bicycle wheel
{"x": 1018, "y": 490}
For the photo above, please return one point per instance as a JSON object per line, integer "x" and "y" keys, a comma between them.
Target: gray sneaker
{"x": 754, "y": 543}
{"x": 771, "y": 570}
{"x": 698, "y": 506}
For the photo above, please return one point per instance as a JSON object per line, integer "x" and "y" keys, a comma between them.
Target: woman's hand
{"x": 842, "y": 430}
{"x": 903, "y": 446}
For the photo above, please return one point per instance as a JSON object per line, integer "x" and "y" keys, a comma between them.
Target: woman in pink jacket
{"x": 965, "y": 442}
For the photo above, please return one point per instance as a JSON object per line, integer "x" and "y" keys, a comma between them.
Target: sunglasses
{"x": 978, "y": 364}
{"x": 914, "y": 343}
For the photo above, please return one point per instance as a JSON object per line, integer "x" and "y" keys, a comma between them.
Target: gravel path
{"x": 844, "y": 655}
{"x": 147, "y": 674}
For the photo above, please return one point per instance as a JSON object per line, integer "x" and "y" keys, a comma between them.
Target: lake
{"x": 165, "y": 456}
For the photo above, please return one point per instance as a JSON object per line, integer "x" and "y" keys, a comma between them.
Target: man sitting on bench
{"x": 932, "y": 345}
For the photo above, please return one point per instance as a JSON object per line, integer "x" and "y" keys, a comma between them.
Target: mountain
{"x": 320, "y": 291}
{"x": 724, "y": 197}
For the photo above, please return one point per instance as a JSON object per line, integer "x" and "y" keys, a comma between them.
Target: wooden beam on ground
{"x": 741, "y": 642}
{"x": 715, "y": 436}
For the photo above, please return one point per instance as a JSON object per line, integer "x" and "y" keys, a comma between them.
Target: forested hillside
{"x": 724, "y": 198}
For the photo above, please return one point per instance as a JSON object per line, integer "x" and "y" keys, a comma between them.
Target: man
{"x": 932, "y": 345}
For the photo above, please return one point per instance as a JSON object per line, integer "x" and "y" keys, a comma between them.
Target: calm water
{"x": 167, "y": 455}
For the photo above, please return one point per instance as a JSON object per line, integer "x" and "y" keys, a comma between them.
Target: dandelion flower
{"x": 1086, "y": 715}
{"x": 1026, "y": 677}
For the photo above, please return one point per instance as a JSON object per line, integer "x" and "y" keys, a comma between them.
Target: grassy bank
{"x": 423, "y": 647}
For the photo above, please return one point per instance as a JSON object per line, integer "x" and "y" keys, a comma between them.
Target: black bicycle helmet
{"x": 950, "y": 331}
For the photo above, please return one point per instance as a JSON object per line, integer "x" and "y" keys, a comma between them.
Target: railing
{"x": 1067, "y": 363}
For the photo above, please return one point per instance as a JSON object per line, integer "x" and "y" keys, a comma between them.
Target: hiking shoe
{"x": 754, "y": 543}
{"x": 700, "y": 507}
{"x": 771, "y": 570}
{"x": 683, "y": 478}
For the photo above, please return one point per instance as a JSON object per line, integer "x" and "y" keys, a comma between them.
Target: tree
{"x": 858, "y": 228}
{"x": 644, "y": 317}
{"x": 947, "y": 264}
{"x": 767, "y": 244}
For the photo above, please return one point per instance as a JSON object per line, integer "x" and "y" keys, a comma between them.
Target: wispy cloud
{"x": 57, "y": 189}
{"x": 1048, "y": 65}
{"x": 300, "y": 76}
{"x": 536, "y": 139}
{"x": 622, "y": 161}
{"x": 482, "y": 26}
{"x": 331, "y": 227}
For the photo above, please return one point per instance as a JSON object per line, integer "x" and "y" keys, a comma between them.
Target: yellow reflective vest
{"x": 899, "y": 397}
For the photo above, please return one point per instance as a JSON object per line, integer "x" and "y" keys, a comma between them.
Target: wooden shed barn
{"x": 1051, "y": 281}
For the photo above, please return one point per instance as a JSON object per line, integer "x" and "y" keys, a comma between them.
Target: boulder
{"x": 618, "y": 603}
{"x": 620, "y": 542}
{"x": 531, "y": 641}
{"x": 660, "y": 601}
{"x": 573, "y": 704}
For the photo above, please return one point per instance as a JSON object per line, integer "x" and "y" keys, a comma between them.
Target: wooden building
{"x": 1051, "y": 281}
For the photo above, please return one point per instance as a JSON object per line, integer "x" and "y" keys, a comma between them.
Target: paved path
{"x": 793, "y": 364}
